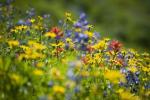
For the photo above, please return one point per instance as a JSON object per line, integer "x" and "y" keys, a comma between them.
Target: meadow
{"x": 70, "y": 60}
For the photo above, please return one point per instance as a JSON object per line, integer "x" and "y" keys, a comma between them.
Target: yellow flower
{"x": 36, "y": 46}
{"x": 38, "y": 72}
{"x": 148, "y": 93}
{"x": 60, "y": 44}
{"x": 50, "y": 34}
{"x": 120, "y": 91}
{"x": 25, "y": 47}
{"x": 95, "y": 73}
{"x": 21, "y": 27}
{"x": 68, "y": 40}
{"x": 32, "y": 20}
{"x": 84, "y": 73}
{"x": 90, "y": 34}
{"x": 126, "y": 95}
{"x": 100, "y": 45}
{"x": 39, "y": 46}
{"x": 55, "y": 72}
{"x": 40, "y": 64}
{"x": 114, "y": 76}
{"x": 68, "y": 16}
{"x": 78, "y": 29}
{"x": 133, "y": 69}
{"x": 58, "y": 89}
{"x": 13, "y": 43}
{"x": 145, "y": 69}
{"x": 90, "y": 26}
{"x": 106, "y": 39}
{"x": 40, "y": 18}
{"x": 16, "y": 78}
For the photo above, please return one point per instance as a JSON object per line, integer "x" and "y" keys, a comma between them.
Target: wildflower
{"x": 114, "y": 76}
{"x": 59, "y": 50}
{"x": 13, "y": 43}
{"x": 145, "y": 69}
{"x": 57, "y": 32}
{"x": 68, "y": 40}
{"x": 120, "y": 90}
{"x": 59, "y": 89}
{"x": 70, "y": 84}
{"x": 38, "y": 72}
{"x": 133, "y": 69}
{"x": 84, "y": 73}
{"x": 60, "y": 44}
{"x": 78, "y": 29}
{"x": 85, "y": 60}
{"x": 126, "y": 95}
{"x": 115, "y": 45}
{"x": 32, "y": 20}
{"x": 100, "y": 45}
{"x": 90, "y": 48}
{"x": 19, "y": 28}
{"x": 16, "y": 78}
{"x": 40, "y": 17}
{"x": 90, "y": 34}
{"x": 56, "y": 74}
{"x": 35, "y": 45}
{"x": 24, "y": 47}
{"x": 39, "y": 64}
{"x": 68, "y": 16}
{"x": 50, "y": 34}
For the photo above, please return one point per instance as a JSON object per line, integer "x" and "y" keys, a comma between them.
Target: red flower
{"x": 57, "y": 31}
{"x": 89, "y": 48}
{"x": 85, "y": 60}
{"x": 115, "y": 45}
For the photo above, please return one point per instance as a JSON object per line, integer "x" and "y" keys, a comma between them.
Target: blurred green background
{"x": 126, "y": 20}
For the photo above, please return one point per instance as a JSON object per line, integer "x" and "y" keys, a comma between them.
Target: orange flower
{"x": 57, "y": 32}
{"x": 115, "y": 45}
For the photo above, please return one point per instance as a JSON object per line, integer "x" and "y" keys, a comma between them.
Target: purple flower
{"x": 78, "y": 25}
{"x": 82, "y": 16}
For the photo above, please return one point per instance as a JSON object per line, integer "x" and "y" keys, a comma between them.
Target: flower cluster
{"x": 68, "y": 62}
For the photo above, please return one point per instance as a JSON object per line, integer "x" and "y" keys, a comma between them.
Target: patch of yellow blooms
{"x": 13, "y": 43}
{"x": 114, "y": 76}
{"x": 59, "y": 89}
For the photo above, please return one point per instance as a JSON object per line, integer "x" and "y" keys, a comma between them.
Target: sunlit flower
{"x": 126, "y": 95}
{"x": 38, "y": 72}
{"x": 90, "y": 34}
{"x": 13, "y": 43}
{"x": 15, "y": 78}
{"x": 68, "y": 17}
{"x": 133, "y": 69}
{"x": 114, "y": 76}
{"x": 58, "y": 89}
{"x": 32, "y": 20}
{"x": 35, "y": 45}
{"x": 39, "y": 64}
{"x": 84, "y": 73}
{"x": 100, "y": 45}
{"x": 57, "y": 32}
{"x": 115, "y": 45}
{"x": 50, "y": 34}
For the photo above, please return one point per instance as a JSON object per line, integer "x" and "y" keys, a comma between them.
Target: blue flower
{"x": 50, "y": 83}
{"x": 77, "y": 89}
{"x": 68, "y": 33}
{"x": 82, "y": 16}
